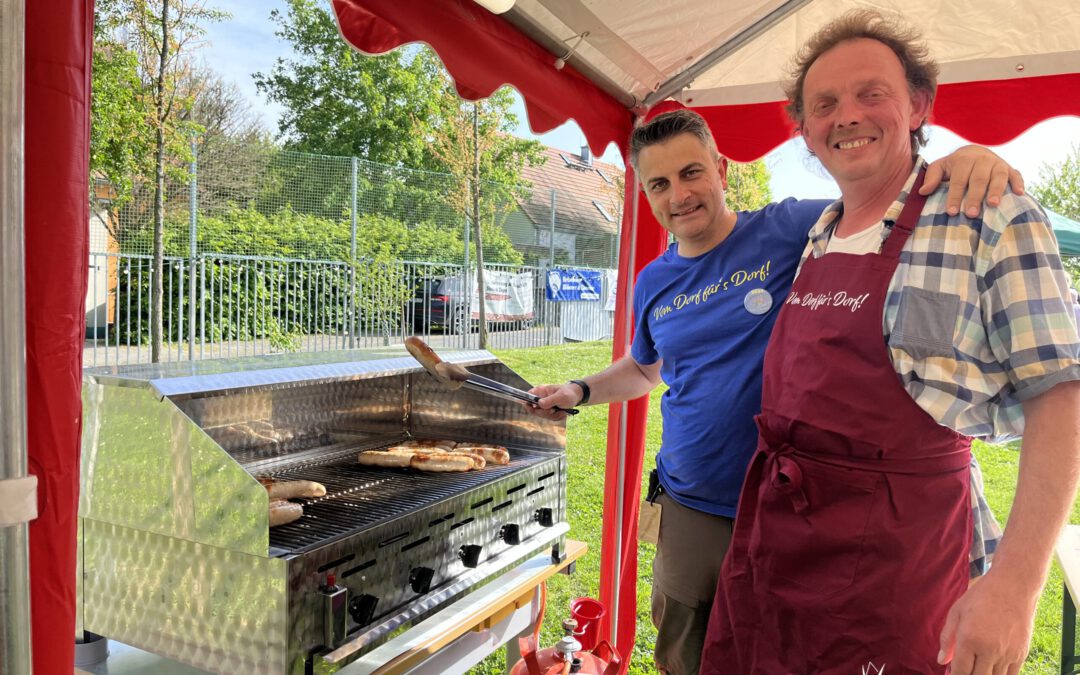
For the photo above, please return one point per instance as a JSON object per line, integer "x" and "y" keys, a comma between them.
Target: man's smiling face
{"x": 859, "y": 111}
{"x": 684, "y": 182}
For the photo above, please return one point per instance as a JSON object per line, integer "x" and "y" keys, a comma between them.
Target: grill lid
{"x": 188, "y": 378}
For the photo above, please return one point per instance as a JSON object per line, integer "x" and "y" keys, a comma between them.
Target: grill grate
{"x": 359, "y": 497}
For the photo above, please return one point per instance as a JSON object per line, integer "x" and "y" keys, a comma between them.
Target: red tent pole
{"x": 58, "y": 54}
{"x": 641, "y": 241}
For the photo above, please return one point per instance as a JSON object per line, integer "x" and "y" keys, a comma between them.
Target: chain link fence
{"x": 269, "y": 250}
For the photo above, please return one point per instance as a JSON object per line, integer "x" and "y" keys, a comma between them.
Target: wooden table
{"x": 1067, "y": 553}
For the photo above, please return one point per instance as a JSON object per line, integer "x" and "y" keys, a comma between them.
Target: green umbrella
{"x": 1067, "y": 232}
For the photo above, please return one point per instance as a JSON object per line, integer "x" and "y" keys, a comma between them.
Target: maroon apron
{"x": 853, "y": 530}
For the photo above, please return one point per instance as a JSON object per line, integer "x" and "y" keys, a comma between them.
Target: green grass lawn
{"x": 587, "y": 442}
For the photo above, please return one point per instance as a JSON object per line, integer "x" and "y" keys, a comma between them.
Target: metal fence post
{"x": 466, "y": 286}
{"x": 351, "y": 314}
{"x": 551, "y": 236}
{"x": 15, "y": 645}
{"x": 193, "y": 248}
{"x": 551, "y": 307}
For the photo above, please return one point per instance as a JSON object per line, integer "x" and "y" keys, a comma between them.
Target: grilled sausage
{"x": 494, "y": 454}
{"x": 294, "y": 489}
{"x": 241, "y": 436}
{"x": 282, "y": 512}
{"x": 446, "y": 462}
{"x": 385, "y": 459}
{"x": 408, "y": 450}
{"x": 477, "y": 458}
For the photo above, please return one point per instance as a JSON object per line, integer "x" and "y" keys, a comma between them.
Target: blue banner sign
{"x": 566, "y": 285}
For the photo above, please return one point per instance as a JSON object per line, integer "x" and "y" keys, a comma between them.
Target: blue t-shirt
{"x": 709, "y": 318}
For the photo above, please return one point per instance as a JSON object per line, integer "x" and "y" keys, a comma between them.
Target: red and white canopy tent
{"x": 1007, "y": 64}
{"x": 1004, "y": 67}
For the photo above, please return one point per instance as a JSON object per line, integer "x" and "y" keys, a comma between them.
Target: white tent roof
{"x": 732, "y": 51}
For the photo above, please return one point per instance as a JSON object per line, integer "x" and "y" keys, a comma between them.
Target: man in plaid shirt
{"x": 908, "y": 331}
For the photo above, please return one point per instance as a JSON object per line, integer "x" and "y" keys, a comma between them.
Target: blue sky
{"x": 246, "y": 44}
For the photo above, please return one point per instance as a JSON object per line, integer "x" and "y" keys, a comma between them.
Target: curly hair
{"x": 920, "y": 70}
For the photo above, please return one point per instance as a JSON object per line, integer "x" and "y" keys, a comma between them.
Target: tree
{"x": 473, "y": 143}
{"x": 748, "y": 186}
{"x": 339, "y": 102}
{"x": 119, "y": 153}
{"x": 1058, "y": 189}
{"x": 233, "y": 148}
{"x": 162, "y": 34}
{"x": 400, "y": 110}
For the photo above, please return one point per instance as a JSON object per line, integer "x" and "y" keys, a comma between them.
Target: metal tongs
{"x": 455, "y": 376}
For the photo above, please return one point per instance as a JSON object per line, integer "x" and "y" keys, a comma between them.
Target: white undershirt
{"x": 860, "y": 243}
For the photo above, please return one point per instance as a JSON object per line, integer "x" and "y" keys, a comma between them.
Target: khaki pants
{"x": 685, "y": 571}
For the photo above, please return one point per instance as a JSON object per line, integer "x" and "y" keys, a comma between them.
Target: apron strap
{"x": 909, "y": 218}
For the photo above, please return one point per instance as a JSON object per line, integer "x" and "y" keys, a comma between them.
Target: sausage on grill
{"x": 477, "y": 458}
{"x": 399, "y": 460}
{"x": 494, "y": 454}
{"x": 282, "y": 512}
{"x": 445, "y": 462}
{"x": 293, "y": 489}
{"x": 421, "y": 459}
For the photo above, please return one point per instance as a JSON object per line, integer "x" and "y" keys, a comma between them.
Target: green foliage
{"x": 400, "y": 110}
{"x": 1058, "y": 189}
{"x": 484, "y": 160}
{"x": 288, "y": 234}
{"x": 118, "y": 152}
{"x": 339, "y": 102}
{"x": 748, "y": 186}
{"x": 285, "y": 292}
{"x": 167, "y": 84}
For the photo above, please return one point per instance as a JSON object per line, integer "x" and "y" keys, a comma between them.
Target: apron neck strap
{"x": 909, "y": 218}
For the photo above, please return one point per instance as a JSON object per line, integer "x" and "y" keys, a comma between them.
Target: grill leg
{"x": 513, "y": 650}
{"x": 1068, "y": 632}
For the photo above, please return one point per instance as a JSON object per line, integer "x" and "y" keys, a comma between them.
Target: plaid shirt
{"x": 978, "y": 319}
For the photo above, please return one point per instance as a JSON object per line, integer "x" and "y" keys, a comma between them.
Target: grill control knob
{"x": 544, "y": 516}
{"x": 420, "y": 579}
{"x": 511, "y": 534}
{"x": 470, "y": 555}
{"x": 362, "y": 608}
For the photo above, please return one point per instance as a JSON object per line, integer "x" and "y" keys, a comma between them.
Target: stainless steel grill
{"x": 178, "y": 557}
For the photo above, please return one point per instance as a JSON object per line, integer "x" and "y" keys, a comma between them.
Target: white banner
{"x": 507, "y": 296}
{"x": 612, "y": 278}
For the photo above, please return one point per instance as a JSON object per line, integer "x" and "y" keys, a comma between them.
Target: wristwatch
{"x": 585, "y": 392}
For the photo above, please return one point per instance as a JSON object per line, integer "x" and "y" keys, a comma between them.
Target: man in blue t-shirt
{"x": 704, "y": 311}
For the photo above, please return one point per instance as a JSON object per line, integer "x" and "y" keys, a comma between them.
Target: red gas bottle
{"x": 566, "y": 657}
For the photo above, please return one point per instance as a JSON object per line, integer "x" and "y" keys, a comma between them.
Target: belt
{"x": 655, "y": 488}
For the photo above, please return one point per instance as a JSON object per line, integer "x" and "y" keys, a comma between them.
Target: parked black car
{"x": 438, "y": 303}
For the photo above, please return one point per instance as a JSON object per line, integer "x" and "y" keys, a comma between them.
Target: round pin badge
{"x": 757, "y": 301}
